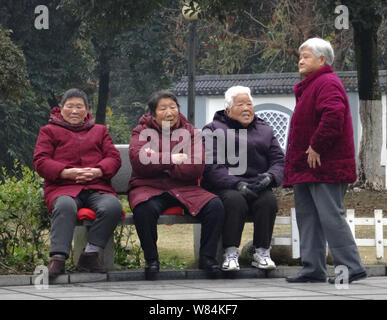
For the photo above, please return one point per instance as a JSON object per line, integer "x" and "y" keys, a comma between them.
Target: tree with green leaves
{"x": 104, "y": 21}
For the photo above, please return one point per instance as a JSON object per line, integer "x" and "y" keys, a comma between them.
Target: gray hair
{"x": 319, "y": 48}
{"x": 75, "y": 93}
{"x": 234, "y": 91}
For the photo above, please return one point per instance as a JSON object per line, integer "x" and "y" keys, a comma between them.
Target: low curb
{"x": 165, "y": 274}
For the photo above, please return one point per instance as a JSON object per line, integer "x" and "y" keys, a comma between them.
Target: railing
{"x": 377, "y": 221}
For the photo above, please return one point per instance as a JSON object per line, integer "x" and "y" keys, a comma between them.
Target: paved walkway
{"x": 200, "y": 289}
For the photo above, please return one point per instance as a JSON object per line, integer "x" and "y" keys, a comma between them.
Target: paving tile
{"x": 14, "y": 280}
{"x": 280, "y": 294}
{"x": 371, "y": 296}
{"x": 87, "y": 277}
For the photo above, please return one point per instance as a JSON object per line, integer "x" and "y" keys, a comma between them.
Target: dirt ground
{"x": 364, "y": 202}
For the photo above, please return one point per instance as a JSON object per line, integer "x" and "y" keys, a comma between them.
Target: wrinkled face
{"x": 242, "y": 109}
{"x": 166, "y": 110}
{"x": 308, "y": 62}
{"x": 74, "y": 110}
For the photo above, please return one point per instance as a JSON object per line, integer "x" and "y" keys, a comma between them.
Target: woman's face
{"x": 74, "y": 111}
{"x": 242, "y": 109}
{"x": 308, "y": 62}
{"x": 166, "y": 111}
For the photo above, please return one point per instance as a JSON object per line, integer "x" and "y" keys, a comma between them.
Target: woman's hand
{"x": 81, "y": 175}
{"x": 313, "y": 158}
{"x": 179, "y": 158}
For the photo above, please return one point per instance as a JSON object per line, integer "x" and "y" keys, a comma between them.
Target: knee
{"x": 146, "y": 211}
{"x": 267, "y": 201}
{"x": 214, "y": 209}
{"x": 65, "y": 207}
{"x": 234, "y": 199}
{"x": 111, "y": 207}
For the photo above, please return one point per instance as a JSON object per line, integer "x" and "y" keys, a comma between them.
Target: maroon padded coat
{"x": 321, "y": 119}
{"x": 180, "y": 181}
{"x": 61, "y": 146}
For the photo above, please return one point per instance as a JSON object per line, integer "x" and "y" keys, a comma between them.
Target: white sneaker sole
{"x": 231, "y": 269}
{"x": 261, "y": 266}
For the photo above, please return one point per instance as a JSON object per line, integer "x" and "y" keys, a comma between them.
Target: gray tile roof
{"x": 263, "y": 83}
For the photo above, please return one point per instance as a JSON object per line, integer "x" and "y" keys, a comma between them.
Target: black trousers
{"x": 263, "y": 211}
{"x": 146, "y": 214}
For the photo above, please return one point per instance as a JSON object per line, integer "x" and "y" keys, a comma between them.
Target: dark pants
{"x": 147, "y": 213}
{"x": 64, "y": 218}
{"x": 263, "y": 211}
{"x": 320, "y": 219}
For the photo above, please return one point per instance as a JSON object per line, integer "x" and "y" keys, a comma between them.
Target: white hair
{"x": 234, "y": 91}
{"x": 319, "y": 48}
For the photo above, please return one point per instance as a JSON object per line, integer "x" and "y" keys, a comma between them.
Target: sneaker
{"x": 230, "y": 262}
{"x": 90, "y": 262}
{"x": 262, "y": 260}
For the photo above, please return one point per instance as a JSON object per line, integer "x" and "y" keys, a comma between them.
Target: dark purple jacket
{"x": 321, "y": 119}
{"x": 264, "y": 154}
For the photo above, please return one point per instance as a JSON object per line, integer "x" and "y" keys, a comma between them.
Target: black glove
{"x": 264, "y": 180}
{"x": 245, "y": 189}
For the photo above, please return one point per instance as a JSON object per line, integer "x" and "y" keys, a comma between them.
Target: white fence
{"x": 377, "y": 221}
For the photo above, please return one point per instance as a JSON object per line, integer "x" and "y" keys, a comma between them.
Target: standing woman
{"x": 319, "y": 164}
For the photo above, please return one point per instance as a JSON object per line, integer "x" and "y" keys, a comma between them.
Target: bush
{"x": 24, "y": 220}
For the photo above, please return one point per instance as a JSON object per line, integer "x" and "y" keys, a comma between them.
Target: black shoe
{"x": 354, "y": 277}
{"x": 152, "y": 266}
{"x": 208, "y": 264}
{"x": 304, "y": 279}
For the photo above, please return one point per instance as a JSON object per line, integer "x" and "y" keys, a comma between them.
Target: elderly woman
{"x": 248, "y": 192}
{"x": 168, "y": 159}
{"x": 77, "y": 159}
{"x": 320, "y": 162}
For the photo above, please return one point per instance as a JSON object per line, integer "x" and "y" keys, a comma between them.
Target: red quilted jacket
{"x": 181, "y": 181}
{"x": 61, "y": 146}
{"x": 321, "y": 119}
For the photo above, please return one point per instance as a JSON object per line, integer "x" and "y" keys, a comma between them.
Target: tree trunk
{"x": 103, "y": 90}
{"x": 365, "y": 41}
{"x": 369, "y": 168}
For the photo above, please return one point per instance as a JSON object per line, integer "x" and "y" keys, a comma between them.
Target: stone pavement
{"x": 244, "y": 285}
{"x": 204, "y": 289}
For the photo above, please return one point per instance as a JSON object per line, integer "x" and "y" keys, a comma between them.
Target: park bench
{"x": 120, "y": 184}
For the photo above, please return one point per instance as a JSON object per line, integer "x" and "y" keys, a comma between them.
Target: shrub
{"x": 24, "y": 220}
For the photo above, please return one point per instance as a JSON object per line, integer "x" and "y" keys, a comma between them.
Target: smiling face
{"x": 74, "y": 111}
{"x": 242, "y": 109}
{"x": 308, "y": 62}
{"x": 166, "y": 110}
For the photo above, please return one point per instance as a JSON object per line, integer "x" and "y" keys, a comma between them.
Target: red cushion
{"x": 174, "y": 210}
{"x": 88, "y": 214}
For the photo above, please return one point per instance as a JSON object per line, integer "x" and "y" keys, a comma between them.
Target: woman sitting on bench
{"x": 77, "y": 159}
{"x": 165, "y": 174}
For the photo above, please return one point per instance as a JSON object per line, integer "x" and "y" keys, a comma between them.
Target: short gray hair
{"x": 319, "y": 48}
{"x": 234, "y": 91}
